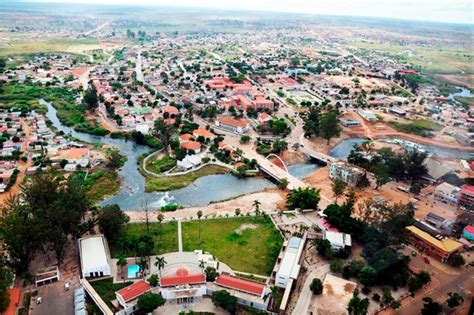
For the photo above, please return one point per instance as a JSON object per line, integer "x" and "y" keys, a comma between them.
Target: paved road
{"x": 304, "y": 299}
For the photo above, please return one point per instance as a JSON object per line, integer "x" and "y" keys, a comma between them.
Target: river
{"x": 461, "y": 92}
{"x": 132, "y": 195}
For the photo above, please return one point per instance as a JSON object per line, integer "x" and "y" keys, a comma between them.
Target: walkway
{"x": 304, "y": 299}
{"x": 180, "y": 237}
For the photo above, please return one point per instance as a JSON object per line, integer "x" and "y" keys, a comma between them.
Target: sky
{"x": 455, "y": 11}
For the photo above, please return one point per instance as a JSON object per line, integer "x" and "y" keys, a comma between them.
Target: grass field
{"x": 160, "y": 165}
{"x": 166, "y": 243}
{"x": 51, "y": 45}
{"x": 248, "y": 244}
{"x": 432, "y": 60}
{"x": 177, "y": 182}
{"x": 420, "y": 127}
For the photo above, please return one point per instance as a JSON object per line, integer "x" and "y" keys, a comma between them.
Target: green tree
{"x": 225, "y": 300}
{"x": 111, "y": 221}
{"x": 338, "y": 188}
{"x": 312, "y": 121}
{"x": 143, "y": 265}
{"x": 2, "y": 65}
{"x": 211, "y": 274}
{"x": 245, "y": 139}
{"x": 199, "y": 215}
{"x": 121, "y": 262}
{"x": 163, "y": 132}
{"x": 358, "y": 306}
{"x": 324, "y": 248}
{"x": 316, "y": 286}
{"x": 454, "y": 299}
{"x": 367, "y": 276}
{"x": 303, "y": 198}
{"x": 153, "y": 280}
{"x": 91, "y": 99}
{"x": 256, "y": 205}
{"x": 456, "y": 260}
{"x": 149, "y": 301}
{"x": 329, "y": 126}
{"x": 381, "y": 173}
{"x": 430, "y": 307}
{"x": 160, "y": 263}
{"x": 283, "y": 184}
{"x": 115, "y": 159}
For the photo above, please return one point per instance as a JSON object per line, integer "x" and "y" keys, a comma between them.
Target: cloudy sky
{"x": 457, "y": 11}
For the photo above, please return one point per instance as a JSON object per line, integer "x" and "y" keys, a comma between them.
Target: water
{"x": 342, "y": 150}
{"x": 462, "y": 92}
{"x": 204, "y": 190}
{"x": 302, "y": 170}
{"x": 132, "y": 271}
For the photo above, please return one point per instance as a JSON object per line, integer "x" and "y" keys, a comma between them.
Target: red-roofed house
{"x": 204, "y": 133}
{"x": 235, "y": 283}
{"x": 183, "y": 287}
{"x": 186, "y": 137}
{"x": 128, "y": 294}
{"x": 191, "y": 145}
{"x": 14, "y": 301}
{"x": 182, "y": 277}
{"x": 171, "y": 110}
{"x": 233, "y": 125}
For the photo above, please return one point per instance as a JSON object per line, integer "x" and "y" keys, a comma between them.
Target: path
{"x": 180, "y": 237}
{"x": 304, "y": 299}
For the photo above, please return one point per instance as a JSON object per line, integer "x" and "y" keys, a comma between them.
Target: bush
{"x": 316, "y": 286}
{"x": 153, "y": 280}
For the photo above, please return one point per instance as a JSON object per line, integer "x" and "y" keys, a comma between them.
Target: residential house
{"x": 447, "y": 193}
{"x": 233, "y": 125}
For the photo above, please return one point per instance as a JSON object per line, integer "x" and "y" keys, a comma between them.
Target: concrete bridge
{"x": 327, "y": 159}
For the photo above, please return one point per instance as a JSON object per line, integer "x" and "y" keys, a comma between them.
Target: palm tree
{"x": 143, "y": 265}
{"x": 338, "y": 188}
{"x": 160, "y": 217}
{"x": 201, "y": 264}
{"x": 367, "y": 146}
{"x": 121, "y": 262}
{"x": 160, "y": 263}
{"x": 237, "y": 212}
{"x": 272, "y": 294}
{"x": 199, "y": 215}
{"x": 164, "y": 132}
{"x": 256, "y": 204}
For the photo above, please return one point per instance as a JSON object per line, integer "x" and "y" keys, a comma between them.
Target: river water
{"x": 132, "y": 195}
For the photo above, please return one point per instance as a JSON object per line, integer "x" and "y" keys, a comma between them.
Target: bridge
{"x": 318, "y": 156}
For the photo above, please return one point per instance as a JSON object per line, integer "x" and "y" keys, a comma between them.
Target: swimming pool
{"x": 132, "y": 271}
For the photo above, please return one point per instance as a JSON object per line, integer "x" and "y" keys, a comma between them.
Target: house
{"x": 290, "y": 266}
{"x": 94, "y": 256}
{"x": 233, "y": 125}
{"x": 349, "y": 122}
{"x": 183, "y": 287}
{"x": 339, "y": 241}
{"x": 201, "y": 132}
{"x": 128, "y": 296}
{"x": 247, "y": 292}
{"x": 186, "y": 138}
{"x": 78, "y": 156}
{"x": 349, "y": 174}
{"x": 436, "y": 168}
{"x": 171, "y": 111}
{"x": 368, "y": 115}
{"x": 398, "y": 112}
{"x": 264, "y": 118}
{"x": 189, "y": 162}
{"x": 437, "y": 246}
{"x": 466, "y": 197}
{"x": 447, "y": 193}
{"x": 193, "y": 146}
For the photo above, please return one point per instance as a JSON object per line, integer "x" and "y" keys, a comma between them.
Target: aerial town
{"x": 192, "y": 162}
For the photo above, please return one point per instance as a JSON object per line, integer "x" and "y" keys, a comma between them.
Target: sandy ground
{"x": 270, "y": 202}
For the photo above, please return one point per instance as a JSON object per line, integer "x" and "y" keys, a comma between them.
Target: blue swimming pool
{"x": 132, "y": 271}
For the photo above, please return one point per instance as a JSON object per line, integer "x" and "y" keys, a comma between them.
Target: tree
{"x": 430, "y": 307}
{"x": 381, "y": 173}
{"x": 225, "y": 300}
{"x": 312, "y": 121}
{"x": 454, "y": 299}
{"x": 143, "y": 265}
{"x": 149, "y": 301}
{"x": 256, "y": 204}
{"x": 272, "y": 294}
{"x": 199, "y": 215}
{"x": 115, "y": 159}
{"x": 111, "y": 221}
{"x": 237, "y": 212}
{"x": 303, "y": 198}
{"x": 153, "y": 280}
{"x": 336, "y": 266}
{"x": 324, "y": 248}
{"x": 2, "y": 65}
{"x": 358, "y": 306}
{"x": 245, "y": 139}
{"x": 456, "y": 260}
{"x": 329, "y": 126}
{"x": 160, "y": 263}
{"x": 338, "y": 188}
{"x": 160, "y": 217}
{"x": 316, "y": 286}
{"x": 121, "y": 262}
{"x": 211, "y": 274}
{"x": 367, "y": 276}
{"x": 91, "y": 99}
{"x": 164, "y": 132}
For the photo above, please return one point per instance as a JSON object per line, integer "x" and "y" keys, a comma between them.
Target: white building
{"x": 349, "y": 174}
{"x": 289, "y": 266}
{"x": 447, "y": 193}
{"x": 338, "y": 240}
{"x": 94, "y": 255}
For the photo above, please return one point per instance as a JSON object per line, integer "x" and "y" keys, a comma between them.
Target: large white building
{"x": 289, "y": 266}
{"x": 95, "y": 258}
{"x": 338, "y": 240}
{"x": 447, "y": 193}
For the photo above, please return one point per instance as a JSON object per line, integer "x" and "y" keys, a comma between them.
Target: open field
{"x": 167, "y": 242}
{"x": 432, "y": 60}
{"x": 420, "y": 127}
{"x": 248, "y": 244}
{"x": 177, "y": 182}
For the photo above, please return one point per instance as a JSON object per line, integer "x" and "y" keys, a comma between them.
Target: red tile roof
{"x": 467, "y": 189}
{"x": 14, "y": 301}
{"x": 240, "y": 284}
{"x": 182, "y": 277}
{"x": 191, "y": 145}
{"x": 203, "y": 132}
{"x": 226, "y": 120}
{"x": 134, "y": 290}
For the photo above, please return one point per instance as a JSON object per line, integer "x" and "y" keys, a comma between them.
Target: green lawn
{"x": 177, "y": 182}
{"x": 166, "y": 243}
{"x": 160, "y": 165}
{"x": 106, "y": 289}
{"x": 420, "y": 127}
{"x": 252, "y": 250}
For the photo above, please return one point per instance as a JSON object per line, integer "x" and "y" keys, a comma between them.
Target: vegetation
{"x": 161, "y": 165}
{"x": 225, "y": 300}
{"x": 149, "y": 301}
{"x": 6, "y": 280}
{"x": 456, "y": 260}
{"x": 167, "y": 183}
{"x": 106, "y": 289}
{"x": 303, "y": 198}
{"x": 163, "y": 131}
{"x": 430, "y": 307}
{"x": 454, "y": 299}
{"x": 316, "y": 286}
{"x": 249, "y": 244}
{"x": 111, "y": 222}
{"x": 324, "y": 125}
{"x": 419, "y": 127}
{"x": 98, "y": 184}
{"x": 358, "y": 306}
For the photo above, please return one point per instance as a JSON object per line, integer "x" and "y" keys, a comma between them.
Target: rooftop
{"x": 134, "y": 290}
{"x": 243, "y": 285}
{"x": 445, "y": 244}
{"x": 182, "y": 277}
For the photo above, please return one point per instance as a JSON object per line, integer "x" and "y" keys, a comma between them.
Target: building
{"x": 290, "y": 266}
{"x": 127, "y": 297}
{"x": 233, "y": 125}
{"x": 447, "y": 193}
{"x": 183, "y": 287}
{"x": 398, "y": 112}
{"x": 368, "y": 115}
{"x": 468, "y": 233}
{"x": 94, "y": 256}
{"x": 437, "y": 246}
{"x": 192, "y": 146}
{"x": 466, "y": 197}
{"x": 247, "y": 292}
{"x": 201, "y": 132}
{"x": 339, "y": 241}
{"x": 349, "y": 174}
{"x": 349, "y": 122}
